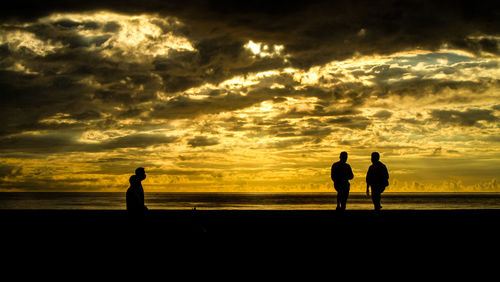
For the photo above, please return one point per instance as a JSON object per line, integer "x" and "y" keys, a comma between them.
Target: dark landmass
{"x": 254, "y": 223}
{"x": 203, "y": 236}
{"x": 237, "y": 243}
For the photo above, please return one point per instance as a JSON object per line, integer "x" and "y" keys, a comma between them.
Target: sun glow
{"x": 264, "y": 50}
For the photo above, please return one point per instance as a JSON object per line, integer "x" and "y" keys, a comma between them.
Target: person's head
{"x": 375, "y": 157}
{"x": 140, "y": 173}
{"x": 343, "y": 157}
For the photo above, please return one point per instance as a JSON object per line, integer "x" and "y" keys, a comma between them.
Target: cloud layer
{"x": 255, "y": 97}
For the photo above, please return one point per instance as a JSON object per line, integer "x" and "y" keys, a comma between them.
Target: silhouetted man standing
{"x": 135, "y": 193}
{"x": 378, "y": 178}
{"x": 341, "y": 174}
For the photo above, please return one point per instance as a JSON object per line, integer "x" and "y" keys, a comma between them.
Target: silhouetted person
{"x": 378, "y": 178}
{"x": 135, "y": 193}
{"x": 341, "y": 174}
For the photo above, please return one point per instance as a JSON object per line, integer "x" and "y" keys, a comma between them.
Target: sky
{"x": 214, "y": 96}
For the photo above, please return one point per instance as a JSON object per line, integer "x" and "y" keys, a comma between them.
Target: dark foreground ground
{"x": 422, "y": 238}
{"x": 251, "y": 245}
{"x": 257, "y": 224}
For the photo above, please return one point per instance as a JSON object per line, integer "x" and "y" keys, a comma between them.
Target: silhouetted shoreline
{"x": 201, "y": 236}
{"x": 251, "y": 222}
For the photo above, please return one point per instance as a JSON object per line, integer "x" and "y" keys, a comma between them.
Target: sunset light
{"x": 217, "y": 103}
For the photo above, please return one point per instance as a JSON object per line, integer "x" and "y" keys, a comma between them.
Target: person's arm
{"x": 386, "y": 174}
{"x": 351, "y": 175}
{"x": 368, "y": 174}
{"x": 141, "y": 194}
{"x": 331, "y": 174}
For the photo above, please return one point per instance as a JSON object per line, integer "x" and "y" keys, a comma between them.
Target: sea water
{"x": 245, "y": 201}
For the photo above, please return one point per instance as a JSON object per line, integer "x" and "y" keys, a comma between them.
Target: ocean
{"x": 245, "y": 201}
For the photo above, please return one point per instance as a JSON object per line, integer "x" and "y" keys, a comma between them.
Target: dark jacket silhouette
{"x": 378, "y": 178}
{"x": 341, "y": 173}
{"x": 135, "y": 196}
{"x": 377, "y": 175}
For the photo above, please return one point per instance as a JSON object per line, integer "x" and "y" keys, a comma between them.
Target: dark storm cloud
{"x": 359, "y": 123}
{"x": 423, "y": 87}
{"x": 284, "y": 128}
{"x": 383, "y": 72}
{"x": 470, "y": 117}
{"x": 202, "y": 141}
{"x": 141, "y": 140}
{"x": 27, "y": 99}
{"x": 290, "y": 142}
{"x": 323, "y": 31}
{"x": 383, "y": 114}
{"x": 478, "y": 45}
{"x": 313, "y": 32}
{"x": 10, "y": 170}
{"x": 67, "y": 142}
{"x": 412, "y": 121}
{"x": 57, "y": 81}
{"x": 185, "y": 107}
{"x": 319, "y": 111}
{"x": 355, "y": 95}
{"x": 215, "y": 60}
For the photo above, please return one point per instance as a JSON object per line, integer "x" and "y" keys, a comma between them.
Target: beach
{"x": 236, "y": 215}
{"x": 216, "y": 239}
{"x": 253, "y": 223}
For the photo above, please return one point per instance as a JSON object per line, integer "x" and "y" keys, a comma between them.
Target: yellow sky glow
{"x": 433, "y": 116}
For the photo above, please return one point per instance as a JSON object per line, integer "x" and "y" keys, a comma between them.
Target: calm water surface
{"x": 260, "y": 201}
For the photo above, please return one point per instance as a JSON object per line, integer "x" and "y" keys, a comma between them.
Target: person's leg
{"x": 338, "y": 199}
{"x": 343, "y": 199}
{"x": 376, "y": 198}
{"x": 382, "y": 189}
{"x": 346, "y": 197}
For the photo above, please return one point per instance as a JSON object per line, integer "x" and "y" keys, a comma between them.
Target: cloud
{"x": 185, "y": 107}
{"x": 281, "y": 144}
{"x": 9, "y": 170}
{"x": 470, "y": 117}
{"x": 68, "y": 142}
{"x": 412, "y": 121}
{"x": 141, "y": 140}
{"x": 383, "y": 114}
{"x": 271, "y": 76}
{"x": 358, "y": 123}
{"x": 319, "y": 111}
{"x": 322, "y": 30}
{"x": 202, "y": 141}
{"x": 437, "y": 152}
{"x": 83, "y": 63}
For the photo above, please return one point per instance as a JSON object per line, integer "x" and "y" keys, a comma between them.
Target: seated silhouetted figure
{"x": 135, "y": 193}
{"x": 378, "y": 178}
{"x": 341, "y": 174}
